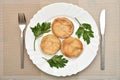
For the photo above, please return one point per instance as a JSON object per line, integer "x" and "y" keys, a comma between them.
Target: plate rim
{"x": 34, "y": 17}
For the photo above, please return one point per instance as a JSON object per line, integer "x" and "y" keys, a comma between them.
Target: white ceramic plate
{"x": 49, "y": 13}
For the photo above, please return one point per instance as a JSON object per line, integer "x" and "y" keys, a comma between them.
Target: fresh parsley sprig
{"x": 85, "y": 31}
{"x": 57, "y": 61}
{"x": 39, "y": 30}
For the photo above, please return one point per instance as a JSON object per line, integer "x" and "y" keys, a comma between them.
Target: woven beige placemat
{"x": 11, "y": 38}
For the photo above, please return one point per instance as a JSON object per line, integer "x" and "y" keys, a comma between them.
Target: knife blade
{"x": 102, "y": 21}
{"x": 102, "y": 40}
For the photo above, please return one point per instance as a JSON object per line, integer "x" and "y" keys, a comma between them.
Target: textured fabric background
{"x": 10, "y": 40}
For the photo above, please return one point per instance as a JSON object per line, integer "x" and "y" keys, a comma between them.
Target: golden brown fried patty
{"x": 71, "y": 47}
{"x": 50, "y": 44}
{"x": 62, "y": 27}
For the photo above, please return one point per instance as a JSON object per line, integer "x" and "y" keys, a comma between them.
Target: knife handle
{"x": 102, "y": 52}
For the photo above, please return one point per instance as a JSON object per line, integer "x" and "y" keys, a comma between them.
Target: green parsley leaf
{"x": 57, "y": 61}
{"x": 84, "y": 31}
{"x": 39, "y": 30}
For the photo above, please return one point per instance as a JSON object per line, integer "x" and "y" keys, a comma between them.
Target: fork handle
{"x": 22, "y": 50}
{"x": 102, "y": 51}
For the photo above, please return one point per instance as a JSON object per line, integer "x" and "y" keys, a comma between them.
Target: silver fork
{"x": 22, "y": 25}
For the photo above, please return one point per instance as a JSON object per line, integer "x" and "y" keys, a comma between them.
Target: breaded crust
{"x": 71, "y": 47}
{"x": 50, "y": 44}
{"x": 62, "y": 27}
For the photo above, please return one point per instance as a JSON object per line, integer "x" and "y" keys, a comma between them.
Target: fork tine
{"x": 21, "y": 18}
{"x": 24, "y": 18}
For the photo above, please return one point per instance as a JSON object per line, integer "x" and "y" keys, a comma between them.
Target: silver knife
{"x": 102, "y": 40}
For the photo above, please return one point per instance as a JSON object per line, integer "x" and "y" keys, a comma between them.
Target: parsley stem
{"x": 34, "y": 43}
{"x": 77, "y": 21}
